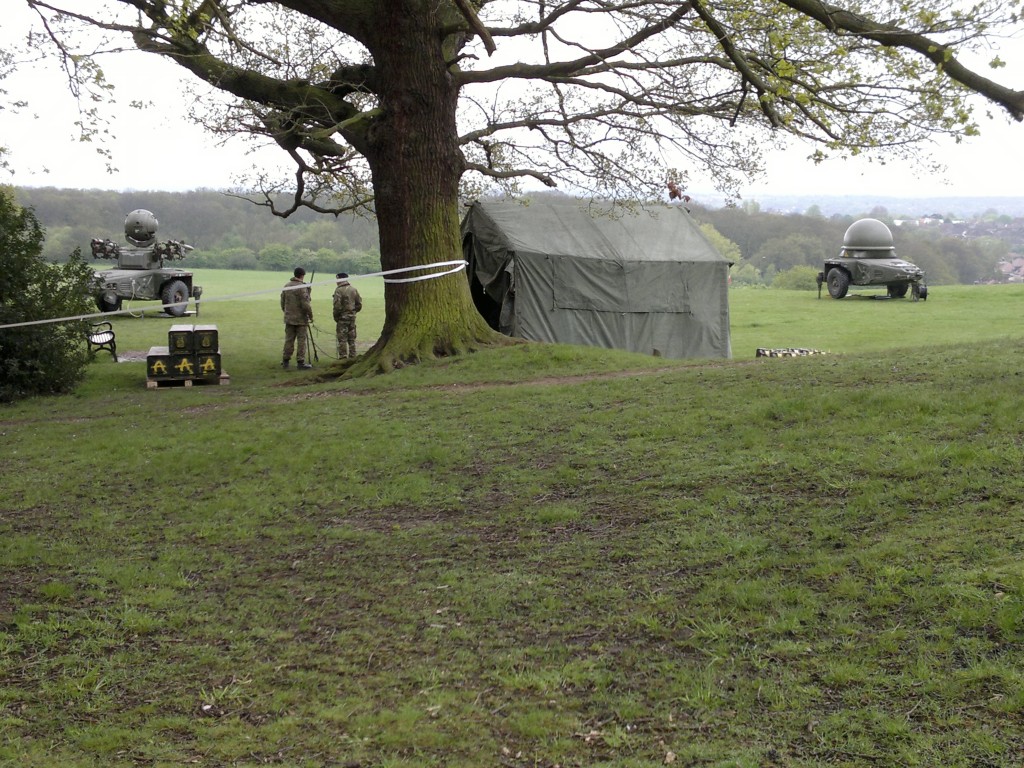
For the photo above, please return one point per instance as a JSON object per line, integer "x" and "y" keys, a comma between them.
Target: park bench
{"x": 101, "y": 336}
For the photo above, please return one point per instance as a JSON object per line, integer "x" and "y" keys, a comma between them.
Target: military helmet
{"x": 868, "y": 235}
{"x": 140, "y": 227}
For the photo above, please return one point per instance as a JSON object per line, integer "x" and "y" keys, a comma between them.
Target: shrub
{"x": 47, "y": 358}
{"x": 239, "y": 258}
{"x": 745, "y": 273}
{"x": 797, "y": 279}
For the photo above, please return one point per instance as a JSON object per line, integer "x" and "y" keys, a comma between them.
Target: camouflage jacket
{"x": 295, "y": 304}
{"x": 347, "y": 301}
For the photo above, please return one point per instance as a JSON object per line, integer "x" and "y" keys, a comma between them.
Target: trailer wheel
{"x": 838, "y": 283}
{"x": 175, "y": 292}
{"x": 897, "y": 291}
{"x": 108, "y": 303}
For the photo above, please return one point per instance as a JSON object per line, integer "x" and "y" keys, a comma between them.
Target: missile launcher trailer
{"x": 868, "y": 258}
{"x": 141, "y": 274}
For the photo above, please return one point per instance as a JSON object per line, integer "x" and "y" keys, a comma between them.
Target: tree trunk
{"x": 416, "y": 165}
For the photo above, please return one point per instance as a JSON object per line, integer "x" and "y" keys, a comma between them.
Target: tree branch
{"x": 474, "y": 24}
{"x": 564, "y": 68}
{"x": 835, "y": 18}
{"x": 741, "y": 64}
{"x": 512, "y": 173}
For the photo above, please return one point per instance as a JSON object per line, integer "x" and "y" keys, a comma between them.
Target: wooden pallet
{"x": 223, "y": 379}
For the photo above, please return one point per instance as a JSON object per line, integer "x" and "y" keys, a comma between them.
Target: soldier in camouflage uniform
{"x": 347, "y": 303}
{"x": 298, "y": 314}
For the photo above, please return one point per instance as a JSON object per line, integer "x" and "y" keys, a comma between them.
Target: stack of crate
{"x": 192, "y": 355}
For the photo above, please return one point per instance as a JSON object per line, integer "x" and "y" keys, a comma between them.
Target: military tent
{"x": 581, "y": 272}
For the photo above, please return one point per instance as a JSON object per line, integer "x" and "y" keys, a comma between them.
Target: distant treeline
{"x": 769, "y": 244}
{"x": 225, "y": 231}
{"x": 230, "y": 233}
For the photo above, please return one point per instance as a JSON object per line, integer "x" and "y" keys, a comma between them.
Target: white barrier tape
{"x": 455, "y": 267}
{"x": 460, "y": 265}
{"x": 75, "y": 317}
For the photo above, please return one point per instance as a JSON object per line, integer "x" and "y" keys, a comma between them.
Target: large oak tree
{"x": 390, "y": 105}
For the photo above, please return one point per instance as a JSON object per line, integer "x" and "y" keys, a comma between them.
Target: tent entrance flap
{"x": 491, "y": 273}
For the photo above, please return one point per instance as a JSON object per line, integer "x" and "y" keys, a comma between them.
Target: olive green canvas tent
{"x": 579, "y": 272}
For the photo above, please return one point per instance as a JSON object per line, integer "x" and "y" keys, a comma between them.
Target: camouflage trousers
{"x": 295, "y": 335}
{"x": 346, "y": 334}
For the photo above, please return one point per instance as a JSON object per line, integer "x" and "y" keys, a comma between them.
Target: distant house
{"x": 1012, "y": 271}
{"x": 921, "y": 221}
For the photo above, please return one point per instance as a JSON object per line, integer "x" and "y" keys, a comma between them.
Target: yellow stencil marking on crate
{"x": 208, "y": 366}
{"x": 158, "y": 367}
{"x": 184, "y": 366}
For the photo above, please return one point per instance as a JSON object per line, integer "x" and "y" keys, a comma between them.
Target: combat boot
{"x": 303, "y": 365}
{"x": 284, "y": 364}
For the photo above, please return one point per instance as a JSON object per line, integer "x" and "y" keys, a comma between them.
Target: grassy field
{"x": 537, "y": 556}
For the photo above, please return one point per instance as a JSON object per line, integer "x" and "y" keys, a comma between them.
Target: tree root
{"x": 391, "y": 354}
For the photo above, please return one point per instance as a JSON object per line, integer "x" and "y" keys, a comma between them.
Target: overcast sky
{"x": 159, "y": 149}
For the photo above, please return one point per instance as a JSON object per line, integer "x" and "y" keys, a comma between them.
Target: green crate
{"x": 208, "y": 365}
{"x": 180, "y": 339}
{"x": 205, "y": 338}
